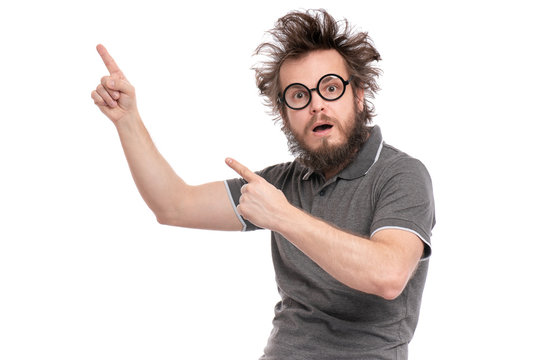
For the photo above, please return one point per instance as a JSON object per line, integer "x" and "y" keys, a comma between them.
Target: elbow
{"x": 173, "y": 218}
{"x": 164, "y": 218}
{"x": 388, "y": 286}
{"x": 392, "y": 286}
{"x": 390, "y": 292}
{"x": 161, "y": 220}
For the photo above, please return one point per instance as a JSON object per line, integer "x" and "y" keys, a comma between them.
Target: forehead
{"x": 309, "y": 68}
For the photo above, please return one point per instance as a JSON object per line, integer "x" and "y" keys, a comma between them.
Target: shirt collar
{"x": 365, "y": 158}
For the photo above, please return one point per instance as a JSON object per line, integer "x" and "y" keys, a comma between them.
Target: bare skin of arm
{"x": 172, "y": 200}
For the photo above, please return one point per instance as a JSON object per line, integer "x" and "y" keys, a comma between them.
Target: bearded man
{"x": 350, "y": 217}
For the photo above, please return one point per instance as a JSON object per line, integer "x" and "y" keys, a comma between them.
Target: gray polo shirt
{"x": 318, "y": 316}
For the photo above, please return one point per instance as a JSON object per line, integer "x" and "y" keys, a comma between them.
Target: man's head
{"x": 324, "y": 130}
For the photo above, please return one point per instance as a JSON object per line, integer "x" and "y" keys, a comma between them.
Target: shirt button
{"x": 322, "y": 192}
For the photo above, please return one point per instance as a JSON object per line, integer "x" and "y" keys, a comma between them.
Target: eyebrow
{"x": 329, "y": 78}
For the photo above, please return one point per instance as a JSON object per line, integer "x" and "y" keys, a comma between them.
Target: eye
{"x": 331, "y": 88}
{"x": 298, "y": 95}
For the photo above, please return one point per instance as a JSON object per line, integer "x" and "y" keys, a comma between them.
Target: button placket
{"x": 320, "y": 201}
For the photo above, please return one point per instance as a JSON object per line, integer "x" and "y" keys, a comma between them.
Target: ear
{"x": 360, "y": 97}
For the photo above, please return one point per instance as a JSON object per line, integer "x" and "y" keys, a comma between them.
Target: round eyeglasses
{"x": 330, "y": 87}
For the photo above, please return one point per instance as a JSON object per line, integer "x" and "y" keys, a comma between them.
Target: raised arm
{"x": 172, "y": 200}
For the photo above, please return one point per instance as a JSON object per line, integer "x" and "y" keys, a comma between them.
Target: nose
{"x": 317, "y": 103}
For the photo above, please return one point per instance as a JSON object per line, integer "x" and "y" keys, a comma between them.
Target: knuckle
{"x": 104, "y": 93}
{"x": 95, "y": 96}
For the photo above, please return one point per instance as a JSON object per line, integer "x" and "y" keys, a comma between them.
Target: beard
{"x": 329, "y": 157}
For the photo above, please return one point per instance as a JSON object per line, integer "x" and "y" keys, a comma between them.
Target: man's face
{"x": 323, "y": 127}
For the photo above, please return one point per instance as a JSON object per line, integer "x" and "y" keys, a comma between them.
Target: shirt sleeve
{"x": 404, "y": 200}
{"x": 233, "y": 187}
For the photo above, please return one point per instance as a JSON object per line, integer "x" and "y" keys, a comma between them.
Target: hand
{"x": 261, "y": 203}
{"x": 115, "y": 96}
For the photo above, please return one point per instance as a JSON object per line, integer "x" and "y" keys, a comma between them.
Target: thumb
{"x": 121, "y": 85}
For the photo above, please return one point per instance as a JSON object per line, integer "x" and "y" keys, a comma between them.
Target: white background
{"x": 87, "y": 273}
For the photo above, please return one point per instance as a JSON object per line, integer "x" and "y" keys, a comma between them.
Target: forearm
{"x": 369, "y": 266}
{"x": 156, "y": 181}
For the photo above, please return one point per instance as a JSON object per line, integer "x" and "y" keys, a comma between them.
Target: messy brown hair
{"x": 298, "y": 33}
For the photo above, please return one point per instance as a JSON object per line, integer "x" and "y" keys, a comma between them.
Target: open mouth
{"x": 323, "y": 127}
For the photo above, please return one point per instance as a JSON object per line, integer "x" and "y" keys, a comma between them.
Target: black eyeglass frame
{"x": 282, "y": 99}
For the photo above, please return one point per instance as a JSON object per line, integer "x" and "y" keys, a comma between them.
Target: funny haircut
{"x": 299, "y": 33}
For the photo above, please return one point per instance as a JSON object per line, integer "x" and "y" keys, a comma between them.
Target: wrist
{"x": 287, "y": 219}
{"x": 127, "y": 122}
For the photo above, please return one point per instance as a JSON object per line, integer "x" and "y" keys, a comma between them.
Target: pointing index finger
{"x": 111, "y": 65}
{"x": 242, "y": 170}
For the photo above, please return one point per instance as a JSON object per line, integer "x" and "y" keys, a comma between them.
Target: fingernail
{"x": 111, "y": 83}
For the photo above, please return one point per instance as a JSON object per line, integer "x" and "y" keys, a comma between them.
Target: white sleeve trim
{"x": 244, "y": 226}
{"x": 405, "y": 229}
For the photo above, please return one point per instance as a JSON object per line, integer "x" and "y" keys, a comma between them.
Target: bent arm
{"x": 172, "y": 200}
{"x": 168, "y": 196}
{"x": 381, "y": 265}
